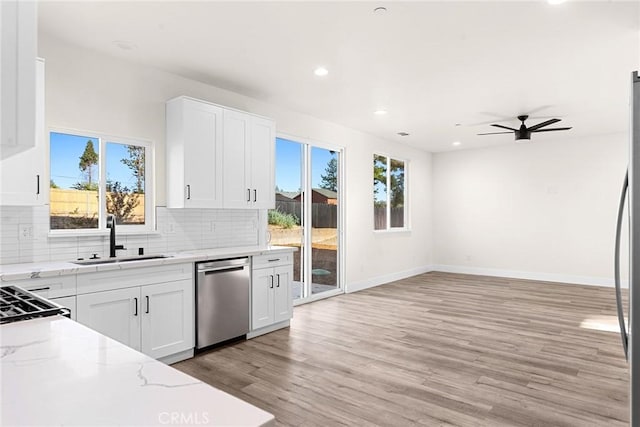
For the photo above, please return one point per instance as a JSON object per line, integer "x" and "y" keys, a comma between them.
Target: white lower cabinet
{"x": 157, "y": 319}
{"x": 271, "y": 296}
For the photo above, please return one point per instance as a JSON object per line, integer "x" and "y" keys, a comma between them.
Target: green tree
{"x": 330, "y": 178}
{"x": 88, "y": 161}
{"x": 135, "y": 162}
{"x": 53, "y": 184}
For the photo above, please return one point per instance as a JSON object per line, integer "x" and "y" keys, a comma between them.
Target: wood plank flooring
{"x": 435, "y": 349}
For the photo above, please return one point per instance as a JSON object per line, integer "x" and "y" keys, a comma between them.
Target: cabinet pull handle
{"x": 135, "y": 313}
{"x": 147, "y": 297}
{"x": 39, "y": 289}
{"x": 255, "y": 195}
{"x": 274, "y": 260}
{"x": 188, "y": 192}
{"x": 37, "y": 184}
{"x": 271, "y": 282}
{"x": 278, "y": 276}
{"x": 248, "y": 194}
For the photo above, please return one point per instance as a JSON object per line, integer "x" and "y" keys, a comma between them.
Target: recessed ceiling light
{"x": 380, "y": 112}
{"x": 456, "y": 143}
{"x": 320, "y": 71}
{"x": 124, "y": 45}
{"x": 380, "y": 10}
{"x": 554, "y": 2}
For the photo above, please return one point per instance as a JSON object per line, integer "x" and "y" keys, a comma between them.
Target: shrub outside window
{"x": 93, "y": 176}
{"x": 389, "y": 193}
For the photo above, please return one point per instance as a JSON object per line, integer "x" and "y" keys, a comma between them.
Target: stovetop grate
{"x": 18, "y": 304}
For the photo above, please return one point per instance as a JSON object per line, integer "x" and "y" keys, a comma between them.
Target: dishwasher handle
{"x": 223, "y": 264}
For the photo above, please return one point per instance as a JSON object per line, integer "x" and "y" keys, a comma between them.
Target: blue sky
{"x": 288, "y": 164}
{"x": 65, "y": 155}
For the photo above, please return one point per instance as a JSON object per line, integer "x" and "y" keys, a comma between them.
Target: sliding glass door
{"x": 307, "y": 216}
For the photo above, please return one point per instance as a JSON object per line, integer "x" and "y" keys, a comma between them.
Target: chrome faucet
{"x": 111, "y": 224}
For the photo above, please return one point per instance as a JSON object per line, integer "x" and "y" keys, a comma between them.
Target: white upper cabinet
{"x": 218, "y": 157}
{"x": 18, "y": 50}
{"x": 237, "y": 148}
{"x": 194, "y": 154}
{"x": 249, "y": 150}
{"x": 23, "y": 170}
{"x": 262, "y": 157}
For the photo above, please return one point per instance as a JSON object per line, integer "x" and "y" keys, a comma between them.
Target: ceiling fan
{"x": 525, "y": 132}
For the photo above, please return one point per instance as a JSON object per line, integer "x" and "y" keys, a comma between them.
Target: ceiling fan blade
{"x": 493, "y": 133}
{"x": 549, "y": 130}
{"x": 543, "y": 124}
{"x": 503, "y": 127}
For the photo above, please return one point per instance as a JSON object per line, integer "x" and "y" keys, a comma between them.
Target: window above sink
{"x": 93, "y": 175}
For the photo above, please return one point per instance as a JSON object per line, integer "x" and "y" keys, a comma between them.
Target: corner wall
{"x": 540, "y": 210}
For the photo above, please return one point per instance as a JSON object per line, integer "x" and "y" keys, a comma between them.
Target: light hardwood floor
{"x": 435, "y": 349}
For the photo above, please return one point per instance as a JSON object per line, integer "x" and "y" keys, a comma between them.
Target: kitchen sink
{"x": 119, "y": 260}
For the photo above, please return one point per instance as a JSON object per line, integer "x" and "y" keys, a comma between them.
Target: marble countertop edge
{"x": 12, "y": 272}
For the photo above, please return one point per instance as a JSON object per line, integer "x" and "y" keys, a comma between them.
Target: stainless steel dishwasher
{"x": 222, "y": 300}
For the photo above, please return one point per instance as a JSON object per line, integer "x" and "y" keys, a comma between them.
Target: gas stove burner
{"x": 17, "y": 304}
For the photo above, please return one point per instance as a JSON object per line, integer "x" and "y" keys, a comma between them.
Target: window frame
{"x": 405, "y": 217}
{"x": 149, "y": 175}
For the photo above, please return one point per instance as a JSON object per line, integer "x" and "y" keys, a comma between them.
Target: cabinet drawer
{"x": 272, "y": 260}
{"x": 129, "y": 277}
{"x": 49, "y": 287}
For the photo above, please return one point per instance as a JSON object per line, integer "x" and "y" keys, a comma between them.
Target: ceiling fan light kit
{"x": 523, "y": 133}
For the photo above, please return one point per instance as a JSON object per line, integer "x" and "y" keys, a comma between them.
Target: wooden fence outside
{"x": 380, "y": 217}
{"x": 79, "y": 203}
{"x": 323, "y": 215}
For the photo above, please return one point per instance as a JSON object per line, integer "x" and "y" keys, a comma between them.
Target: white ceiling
{"x": 430, "y": 64}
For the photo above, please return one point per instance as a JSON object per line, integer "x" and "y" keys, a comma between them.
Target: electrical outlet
{"x": 171, "y": 228}
{"x": 25, "y": 232}
{"x": 213, "y": 226}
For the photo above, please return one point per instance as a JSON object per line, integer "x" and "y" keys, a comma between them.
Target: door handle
{"x": 37, "y": 184}
{"x": 135, "y": 313}
{"x": 248, "y": 194}
{"x": 278, "y": 276}
{"x": 271, "y": 282}
{"x": 255, "y": 195}
{"x": 147, "y": 297}
{"x": 616, "y": 268}
{"x": 188, "y": 192}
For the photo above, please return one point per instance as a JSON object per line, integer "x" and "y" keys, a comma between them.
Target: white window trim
{"x": 149, "y": 193}
{"x": 406, "y": 226}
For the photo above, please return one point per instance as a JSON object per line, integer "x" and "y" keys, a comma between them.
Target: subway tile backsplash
{"x": 177, "y": 230}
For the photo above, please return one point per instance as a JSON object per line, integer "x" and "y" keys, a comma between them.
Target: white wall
{"x": 543, "y": 210}
{"x": 90, "y": 91}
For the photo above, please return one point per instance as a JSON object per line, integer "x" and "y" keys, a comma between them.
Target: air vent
{"x": 403, "y": 134}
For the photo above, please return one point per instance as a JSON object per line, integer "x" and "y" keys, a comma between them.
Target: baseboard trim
{"x": 381, "y": 280}
{"x": 529, "y": 275}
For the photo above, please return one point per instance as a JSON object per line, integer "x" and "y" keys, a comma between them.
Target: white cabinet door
{"x": 23, "y": 179}
{"x": 194, "y": 154}
{"x": 167, "y": 318}
{"x": 283, "y": 305}
{"x": 261, "y": 156}
{"x": 67, "y": 302}
{"x": 19, "y": 23}
{"x": 262, "y": 284}
{"x": 202, "y": 155}
{"x": 237, "y": 191}
{"x": 115, "y": 314}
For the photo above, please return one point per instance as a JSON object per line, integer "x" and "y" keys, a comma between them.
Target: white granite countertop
{"x": 9, "y": 272}
{"x": 55, "y": 371}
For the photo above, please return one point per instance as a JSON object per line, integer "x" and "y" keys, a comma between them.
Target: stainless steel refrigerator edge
{"x": 633, "y": 355}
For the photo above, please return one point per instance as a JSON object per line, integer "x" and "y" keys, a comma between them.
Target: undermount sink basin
{"x": 119, "y": 260}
